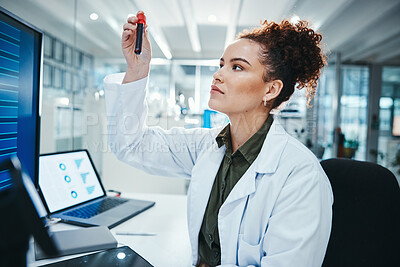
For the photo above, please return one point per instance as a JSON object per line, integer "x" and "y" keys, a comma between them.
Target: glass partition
{"x": 389, "y": 123}
{"x": 353, "y": 110}
{"x": 325, "y": 112}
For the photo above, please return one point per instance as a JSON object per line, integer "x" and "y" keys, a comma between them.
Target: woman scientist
{"x": 257, "y": 196}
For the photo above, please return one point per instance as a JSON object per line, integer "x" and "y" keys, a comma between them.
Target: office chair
{"x": 366, "y": 215}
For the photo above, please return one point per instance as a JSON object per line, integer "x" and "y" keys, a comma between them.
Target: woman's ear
{"x": 274, "y": 88}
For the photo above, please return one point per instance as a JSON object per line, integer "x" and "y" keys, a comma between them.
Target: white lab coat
{"x": 278, "y": 214}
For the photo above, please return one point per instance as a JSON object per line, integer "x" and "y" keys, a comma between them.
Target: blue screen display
{"x": 20, "y": 61}
{"x": 5, "y": 180}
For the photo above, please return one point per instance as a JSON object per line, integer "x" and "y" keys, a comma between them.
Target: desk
{"x": 167, "y": 219}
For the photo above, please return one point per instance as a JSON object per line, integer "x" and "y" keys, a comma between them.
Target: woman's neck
{"x": 245, "y": 125}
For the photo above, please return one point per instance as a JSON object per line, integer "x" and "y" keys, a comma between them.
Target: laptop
{"x": 72, "y": 191}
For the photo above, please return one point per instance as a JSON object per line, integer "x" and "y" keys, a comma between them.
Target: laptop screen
{"x": 67, "y": 179}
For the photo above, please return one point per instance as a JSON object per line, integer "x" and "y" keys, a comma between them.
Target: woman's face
{"x": 238, "y": 85}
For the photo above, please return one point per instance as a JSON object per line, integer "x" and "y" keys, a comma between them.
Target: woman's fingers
{"x": 129, "y": 26}
{"x": 138, "y": 65}
{"x": 132, "y": 20}
{"x": 125, "y": 35}
{"x": 130, "y": 29}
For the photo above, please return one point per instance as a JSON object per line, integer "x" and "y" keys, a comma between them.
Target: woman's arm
{"x": 152, "y": 149}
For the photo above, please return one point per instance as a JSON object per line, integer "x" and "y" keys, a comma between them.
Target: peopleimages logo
{"x": 127, "y": 128}
{"x": 128, "y": 124}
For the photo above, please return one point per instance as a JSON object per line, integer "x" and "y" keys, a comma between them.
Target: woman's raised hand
{"x": 138, "y": 66}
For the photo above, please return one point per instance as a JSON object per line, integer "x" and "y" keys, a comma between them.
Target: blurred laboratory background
{"x": 356, "y": 112}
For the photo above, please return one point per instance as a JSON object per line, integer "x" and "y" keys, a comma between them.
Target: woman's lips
{"x": 215, "y": 90}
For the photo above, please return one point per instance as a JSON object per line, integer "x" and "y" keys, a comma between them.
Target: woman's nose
{"x": 218, "y": 75}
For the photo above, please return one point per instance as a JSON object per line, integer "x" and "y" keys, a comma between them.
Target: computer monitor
{"x": 20, "y": 79}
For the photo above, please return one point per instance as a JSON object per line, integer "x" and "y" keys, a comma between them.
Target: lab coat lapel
{"x": 203, "y": 177}
{"x": 270, "y": 155}
{"x": 231, "y": 212}
{"x": 266, "y": 162}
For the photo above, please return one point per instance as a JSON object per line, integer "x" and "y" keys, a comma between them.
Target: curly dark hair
{"x": 291, "y": 53}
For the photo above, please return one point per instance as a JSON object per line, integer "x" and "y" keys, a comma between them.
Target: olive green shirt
{"x": 232, "y": 168}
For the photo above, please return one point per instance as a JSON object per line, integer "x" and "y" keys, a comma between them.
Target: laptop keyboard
{"x": 96, "y": 208}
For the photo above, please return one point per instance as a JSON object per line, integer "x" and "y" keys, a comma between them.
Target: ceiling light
{"x": 294, "y": 19}
{"x": 212, "y": 18}
{"x": 94, "y": 16}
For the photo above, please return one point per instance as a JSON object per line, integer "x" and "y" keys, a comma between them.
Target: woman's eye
{"x": 237, "y": 67}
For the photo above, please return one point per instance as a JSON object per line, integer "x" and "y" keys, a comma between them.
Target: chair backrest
{"x": 366, "y": 215}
